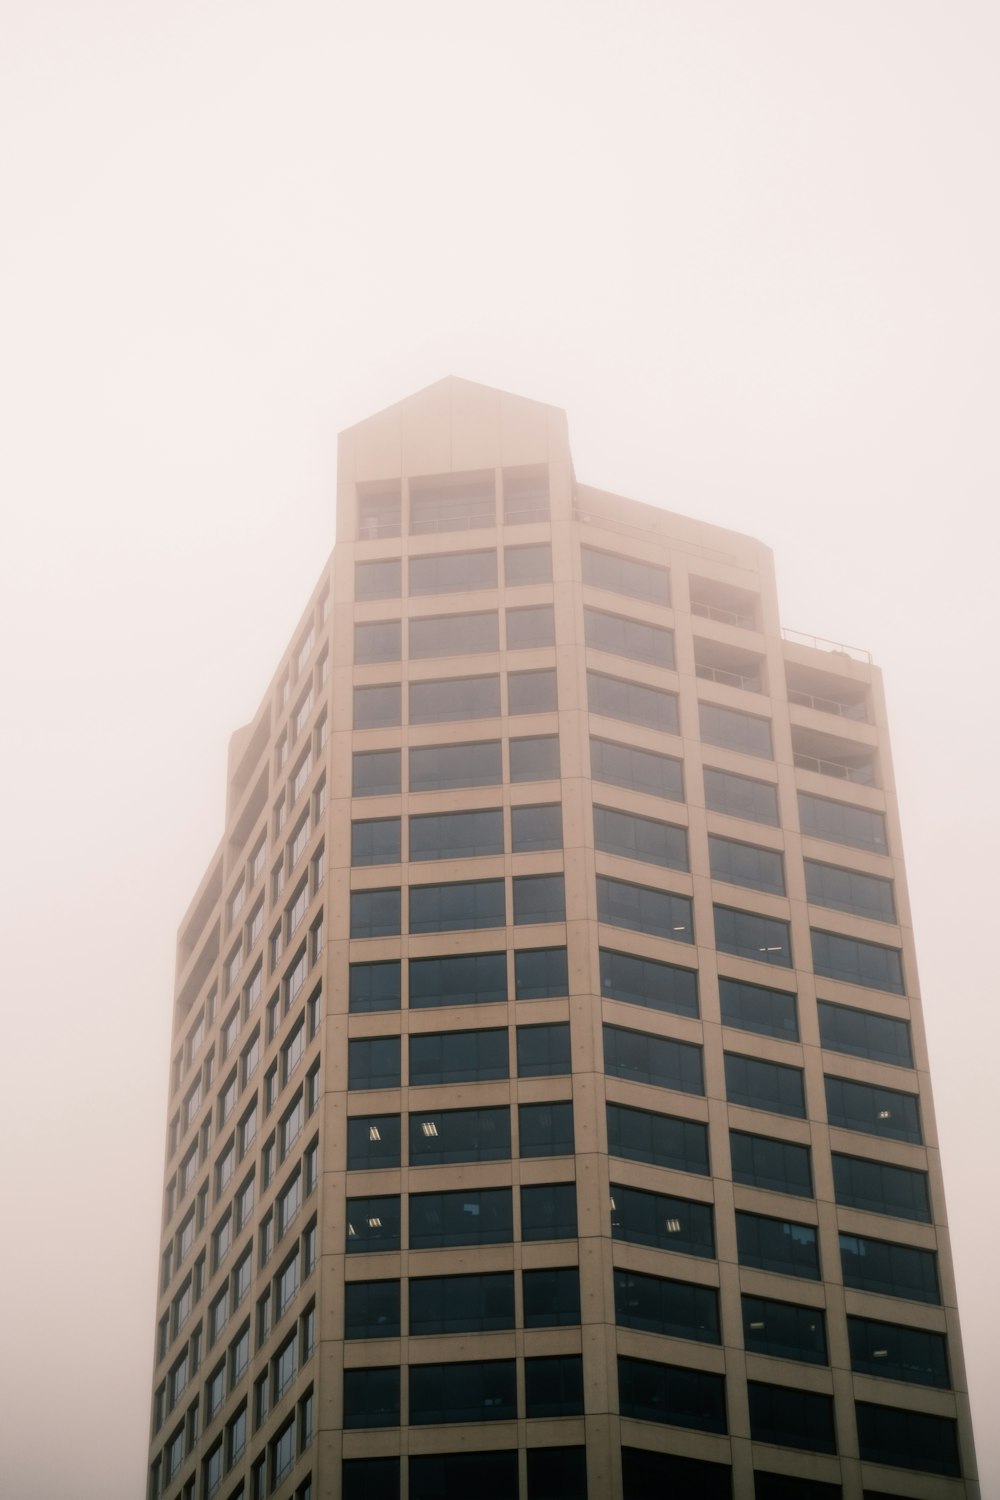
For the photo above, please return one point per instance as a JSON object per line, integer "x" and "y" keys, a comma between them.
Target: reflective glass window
{"x": 777, "y": 1245}
{"x": 643, "y": 908}
{"x": 456, "y": 835}
{"x": 543, "y": 1051}
{"x": 635, "y": 837}
{"x": 535, "y": 758}
{"x": 741, "y": 796}
{"x": 378, "y": 706}
{"x": 671, "y": 1394}
{"x": 527, "y": 564}
{"x": 752, "y": 1007}
{"x": 876, "y": 1111}
{"x": 676, "y": 1309}
{"x": 461, "y": 1304}
{"x": 459, "y": 1135}
{"x": 548, "y": 1211}
{"x": 662, "y": 1140}
{"x": 374, "y": 986}
{"x": 850, "y": 890}
{"x": 646, "y": 981}
{"x": 864, "y": 1034}
{"x": 539, "y": 898}
{"x": 824, "y": 818}
{"x": 378, "y": 640}
{"x": 375, "y": 913}
{"x": 546, "y": 1129}
{"x": 662, "y": 1221}
{"x": 779, "y": 1166}
{"x": 372, "y": 1142}
{"x": 534, "y": 626}
{"x": 622, "y": 636}
{"x": 454, "y": 699}
{"x": 454, "y": 635}
{"x": 375, "y": 772}
{"x": 474, "y": 1391}
{"x": 891, "y": 1270}
{"x": 758, "y": 1084}
{"x": 657, "y": 1060}
{"x": 746, "y": 864}
{"x": 734, "y": 730}
{"x": 856, "y": 962}
{"x": 750, "y": 935}
{"x": 893, "y": 1352}
{"x": 551, "y": 1297}
{"x": 792, "y": 1417}
{"x": 635, "y": 702}
{"x": 456, "y": 906}
{"x": 375, "y": 841}
{"x": 784, "y": 1330}
{"x": 469, "y": 1216}
{"x": 373, "y": 1062}
{"x": 458, "y": 1056}
{"x": 459, "y": 979}
{"x": 879, "y": 1188}
{"x": 372, "y": 1224}
{"x": 625, "y": 575}
{"x": 371, "y": 1310}
{"x": 639, "y": 770}
{"x": 438, "y": 767}
{"x": 453, "y": 572}
{"x": 378, "y": 579}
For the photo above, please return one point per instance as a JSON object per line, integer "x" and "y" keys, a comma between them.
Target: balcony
{"x": 525, "y": 496}
{"x": 452, "y": 502}
{"x": 715, "y": 661}
{"x": 379, "y": 511}
{"x": 827, "y": 692}
{"x": 829, "y": 755}
{"x": 725, "y": 603}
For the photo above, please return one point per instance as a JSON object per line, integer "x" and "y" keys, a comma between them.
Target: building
{"x": 549, "y": 1108}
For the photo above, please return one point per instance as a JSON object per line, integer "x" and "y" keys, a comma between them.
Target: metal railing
{"x": 820, "y": 643}
{"x": 371, "y": 527}
{"x": 726, "y": 616}
{"x": 862, "y": 775}
{"x": 457, "y": 520}
{"x": 856, "y": 711}
{"x": 729, "y": 679}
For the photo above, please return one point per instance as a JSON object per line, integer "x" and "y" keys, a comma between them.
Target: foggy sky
{"x": 751, "y": 248}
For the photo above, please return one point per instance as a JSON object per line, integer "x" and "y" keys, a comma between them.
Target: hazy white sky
{"x": 750, "y": 245}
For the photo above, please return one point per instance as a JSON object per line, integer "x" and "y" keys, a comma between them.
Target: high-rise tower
{"x": 549, "y": 1109}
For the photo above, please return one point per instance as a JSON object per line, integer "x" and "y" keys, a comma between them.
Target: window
{"x": 461, "y": 1304}
{"x": 777, "y": 1245}
{"x": 239, "y": 1355}
{"x": 625, "y": 575}
{"x": 769, "y": 1486}
{"x": 546, "y": 1129}
{"x": 373, "y": 1141}
{"x": 375, "y": 841}
{"x": 453, "y": 573}
{"x": 525, "y": 499}
{"x": 454, "y": 698}
{"x": 750, "y": 935}
{"x": 224, "y": 1169}
{"x": 877, "y": 1111}
{"x": 248, "y": 1129}
{"x": 222, "y": 1240}
{"x": 242, "y": 1276}
{"x": 647, "y": 982}
{"x": 779, "y": 1166}
{"x": 644, "y": 909}
{"x": 378, "y": 510}
{"x": 741, "y": 797}
{"x": 758, "y": 1084}
{"x": 553, "y": 1386}
{"x": 639, "y": 770}
{"x": 215, "y": 1390}
{"x": 378, "y": 579}
{"x": 375, "y": 913}
{"x": 856, "y": 962}
{"x": 635, "y": 702}
{"x": 371, "y": 1397}
{"x": 534, "y": 626}
{"x": 372, "y": 1224}
{"x": 656, "y": 1060}
{"x": 475, "y": 1391}
{"x": 878, "y": 1188}
{"x": 907, "y": 1439}
{"x": 538, "y": 898}
{"x": 734, "y": 730}
{"x": 535, "y": 758}
{"x": 471, "y": 1216}
{"x": 536, "y": 826}
{"x": 621, "y": 636}
{"x": 452, "y": 502}
{"x": 372, "y": 1479}
{"x": 551, "y": 1297}
{"x": 371, "y": 1309}
{"x": 373, "y": 1062}
{"x": 543, "y": 1051}
{"x": 548, "y": 1211}
{"x": 792, "y": 1417}
{"x": 522, "y": 565}
{"x": 672, "y": 1394}
{"x": 841, "y": 824}
{"x": 435, "y": 768}
{"x": 751, "y": 1007}
{"x": 374, "y": 987}
{"x": 557, "y": 1473}
{"x": 662, "y": 1221}
{"x": 454, "y": 635}
{"x": 283, "y": 1451}
{"x": 459, "y": 1135}
{"x": 850, "y": 890}
{"x": 915, "y": 1355}
{"x": 674, "y": 1308}
{"x": 746, "y": 864}
{"x": 236, "y": 1435}
{"x": 662, "y": 1140}
{"x": 457, "y": 906}
{"x": 378, "y": 640}
{"x": 376, "y": 772}
{"x": 891, "y": 1270}
{"x": 646, "y": 1474}
{"x": 784, "y": 1330}
{"x": 458, "y": 1056}
{"x": 635, "y": 837}
{"x": 864, "y": 1034}
{"x": 289, "y": 1202}
{"x": 378, "y": 706}
{"x": 531, "y": 692}
{"x": 540, "y": 973}
{"x": 456, "y": 835}
{"x": 462, "y": 979}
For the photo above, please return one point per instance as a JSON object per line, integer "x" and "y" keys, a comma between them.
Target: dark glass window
{"x": 758, "y": 1084}
{"x": 527, "y": 564}
{"x": 557, "y": 1473}
{"x": 746, "y": 864}
{"x": 540, "y": 973}
{"x": 452, "y": 502}
{"x": 456, "y": 1476}
{"x": 535, "y": 758}
{"x": 539, "y": 898}
{"x": 792, "y": 1487}
{"x": 375, "y": 773}
{"x": 372, "y": 1224}
{"x": 453, "y": 573}
{"x": 862, "y": 1034}
{"x": 784, "y": 1329}
{"x": 371, "y": 1397}
{"x": 879, "y": 1188}
{"x": 457, "y": 1135}
{"x": 456, "y": 835}
{"x": 551, "y": 1297}
{"x": 379, "y": 579}
{"x": 749, "y": 935}
{"x": 779, "y": 1166}
{"x": 375, "y": 986}
{"x": 461, "y": 1304}
{"x": 634, "y": 837}
{"x": 617, "y": 698}
{"x": 456, "y": 906}
{"x": 536, "y": 827}
{"x": 643, "y": 908}
{"x": 671, "y": 1394}
{"x": 662, "y": 1221}
{"x": 663, "y": 1140}
{"x": 435, "y": 768}
{"x": 458, "y": 1056}
{"x": 891, "y": 1270}
{"x": 674, "y": 1308}
{"x": 378, "y": 640}
{"x": 855, "y": 962}
{"x": 896, "y": 1353}
{"x": 370, "y": 1478}
{"x": 625, "y": 575}
{"x": 548, "y": 1211}
{"x": 372, "y": 1142}
{"x": 639, "y": 770}
{"x": 646, "y": 981}
{"x": 849, "y": 890}
{"x": 907, "y": 1439}
{"x": 543, "y": 1051}
{"x": 876, "y": 1111}
{"x": 792, "y": 1417}
{"x": 460, "y": 979}
{"x": 546, "y": 1129}
{"x": 371, "y": 1310}
{"x": 534, "y": 626}
{"x": 776, "y": 1245}
{"x": 474, "y": 1391}
{"x": 453, "y": 699}
{"x": 553, "y": 1386}
{"x": 375, "y": 913}
{"x": 741, "y": 796}
{"x": 622, "y": 636}
{"x": 858, "y": 826}
{"x": 647, "y": 1475}
{"x": 751, "y": 1007}
{"x": 734, "y": 730}
{"x": 531, "y": 692}
{"x": 470, "y": 1216}
{"x": 373, "y": 1062}
{"x": 454, "y": 635}
{"x": 378, "y": 706}
{"x": 375, "y": 841}
{"x": 657, "y": 1060}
